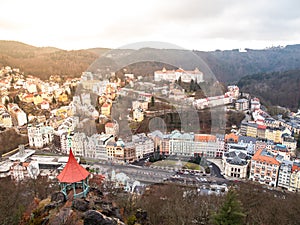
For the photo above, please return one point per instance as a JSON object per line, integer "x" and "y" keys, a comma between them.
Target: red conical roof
{"x": 73, "y": 172}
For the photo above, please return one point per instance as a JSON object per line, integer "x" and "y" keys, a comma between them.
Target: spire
{"x": 73, "y": 172}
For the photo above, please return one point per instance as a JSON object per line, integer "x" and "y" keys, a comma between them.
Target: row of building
{"x": 268, "y": 167}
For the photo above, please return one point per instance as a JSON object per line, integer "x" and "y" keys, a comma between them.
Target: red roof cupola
{"x": 73, "y": 172}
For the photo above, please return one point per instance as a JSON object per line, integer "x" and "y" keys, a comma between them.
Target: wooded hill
{"x": 228, "y": 66}
{"x": 277, "y": 88}
{"x": 232, "y": 65}
{"x": 45, "y": 61}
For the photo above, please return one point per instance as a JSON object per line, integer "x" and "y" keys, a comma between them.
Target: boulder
{"x": 80, "y": 204}
{"x": 93, "y": 217}
{"x": 58, "y": 197}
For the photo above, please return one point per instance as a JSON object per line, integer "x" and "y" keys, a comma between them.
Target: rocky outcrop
{"x": 93, "y": 217}
{"x": 59, "y": 210}
{"x": 80, "y": 205}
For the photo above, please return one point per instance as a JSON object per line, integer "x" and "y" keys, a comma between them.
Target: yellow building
{"x": 28, "y": 98}
{"x": 63, "y": 97}
{"x": 37, "y": 99}
{"x": 277, "y": 136}
{"x": 110, "y": 92}
{"x": 106, "y": 109}
{"x": 269, "y": 134}
{"x": 251, "y": 130}
{"x": 120, "y": 152}
{"x": 273, "y": 135}
{"x": 102, "y": 99}
{"x": 138, "y": 115}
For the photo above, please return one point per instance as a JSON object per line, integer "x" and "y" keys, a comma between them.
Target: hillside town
{"x": 100, "y": 120}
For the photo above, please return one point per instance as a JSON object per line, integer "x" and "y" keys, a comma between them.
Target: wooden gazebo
{"x": 75, "y": 177}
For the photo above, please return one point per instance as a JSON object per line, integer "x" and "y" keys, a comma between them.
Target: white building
{"x": 5, "y": 118}
{"x": 19, "y": 171}
{"x": 206, "y": 145}
{"x": 143, "y": 145}
{"x": 181, "y": 143}
{"x": 39, "y": 135}
{"x": 140, "y": 104}
{"x": 77, "y": 143}
{"x": 290, "y": 143}
{"x": 69, "y": 123}
{"x": 184, "y": 75}
{"x": 233, "y": 91}
{"x": 254, "y": 104}
{"x": 112, "y": 128}
{"x": 85, "y": 146}
{"x": 295, "y": 177}
{"x": 101, "y": 151}
{"x": 242, "y": 104}
{"x": 235, "y": 163}
{"x": 285, "y": 171}
{"x": 138, "y": 115}
{"x": 45, "y": 105}
{"x": 264, "y": 168}
{"x": 18, "y": 115}
{"x": 95, "y": 146}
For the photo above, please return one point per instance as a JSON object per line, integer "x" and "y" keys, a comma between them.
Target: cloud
{"x": 192, "y": 23}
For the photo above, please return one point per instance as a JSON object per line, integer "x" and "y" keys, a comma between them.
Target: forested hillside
{"x": 43, "y": 62}
{"x": 231, "y": 65}
{"x": 277, "y": 88}
{"x": 228, "y": 66}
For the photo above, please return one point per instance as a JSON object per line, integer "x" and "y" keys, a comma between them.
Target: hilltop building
{"x": 173, "y": 75}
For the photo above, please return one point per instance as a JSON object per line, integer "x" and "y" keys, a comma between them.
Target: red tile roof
{"x": 263, "y": 127}
{"x": 109, "y": 124}
{"x": 264, "y": 158}
{"x": 204, "y": 137}
{"x": 295, "y": 168}
{"x": 73, "y": 172}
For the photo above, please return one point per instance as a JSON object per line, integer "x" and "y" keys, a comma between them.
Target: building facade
{"x": 39, "y": 135}
{"x": 264, "y": 168}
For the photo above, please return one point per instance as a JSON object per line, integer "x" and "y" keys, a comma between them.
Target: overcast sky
{"x": 191, "y": 24}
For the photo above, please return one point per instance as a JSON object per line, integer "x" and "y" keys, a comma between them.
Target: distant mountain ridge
{"x": 228, "y": 66}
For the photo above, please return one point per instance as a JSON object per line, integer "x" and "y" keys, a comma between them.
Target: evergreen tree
{"x": 230, "y": 212}
{"x": 17, "y": 99}
{"x": 54, "y": 101}
{"x": 152, "y": 101}
{"x": 192, "y": 86}
{"x": 6, "y": 102}
{"x": 12, "y": 81}
{"x": 179, "y": 81}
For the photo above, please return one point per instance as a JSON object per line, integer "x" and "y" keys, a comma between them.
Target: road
{"x": 142, "y": 174}
{"x": 155, "y": 175}
{"x": 215, "y": 170}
